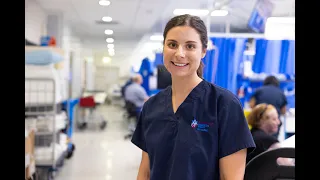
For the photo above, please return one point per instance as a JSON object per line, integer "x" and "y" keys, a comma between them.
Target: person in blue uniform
{"x": 192, "y": 130}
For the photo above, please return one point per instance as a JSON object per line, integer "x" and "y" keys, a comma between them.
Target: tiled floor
{"x": 103, "y": 155}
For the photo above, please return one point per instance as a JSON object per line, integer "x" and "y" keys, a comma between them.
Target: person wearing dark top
{"x": 270, "y": 93}
{"x": 192, "y": 130}
{"x": 264, "y": 121}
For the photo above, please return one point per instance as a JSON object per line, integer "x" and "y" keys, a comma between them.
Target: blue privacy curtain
{"x": 274, "y": 56}
{"x": 208, "y": 62}
{"x": 258, "y": 62}
{"x": 287, "y": 59}
{"x": 224, "y": 71}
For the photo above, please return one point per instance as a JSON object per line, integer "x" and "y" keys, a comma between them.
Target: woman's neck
{"x": 184, "y": 85}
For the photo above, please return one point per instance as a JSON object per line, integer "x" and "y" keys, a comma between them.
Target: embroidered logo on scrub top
{"x": 200, "y": 126}
{"x": 194, "y": 123}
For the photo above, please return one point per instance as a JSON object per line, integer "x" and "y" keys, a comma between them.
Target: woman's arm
{"x": 232, "y": 167}
{"x": 144, "y": 169}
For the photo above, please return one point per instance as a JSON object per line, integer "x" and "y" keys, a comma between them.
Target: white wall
{"x": 35, "y": 21}
{"x": 71, "y": 43}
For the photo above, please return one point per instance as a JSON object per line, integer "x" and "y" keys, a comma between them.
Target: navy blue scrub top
{"x": 188, "y": 144}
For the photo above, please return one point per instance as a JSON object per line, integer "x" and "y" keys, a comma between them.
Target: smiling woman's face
{"x": 182, "y": 51}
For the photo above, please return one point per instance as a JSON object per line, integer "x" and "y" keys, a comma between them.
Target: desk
{"x": 290, "y": 142}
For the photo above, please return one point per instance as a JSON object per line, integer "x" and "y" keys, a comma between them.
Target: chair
{"x": 132, "y": 112}
{"x": 265, "y": 166}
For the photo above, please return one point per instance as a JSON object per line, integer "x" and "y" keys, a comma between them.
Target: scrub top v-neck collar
{"x": 193, "y": 95}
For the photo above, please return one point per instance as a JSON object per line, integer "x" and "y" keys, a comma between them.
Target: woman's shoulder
{"x": 221, "y": 95}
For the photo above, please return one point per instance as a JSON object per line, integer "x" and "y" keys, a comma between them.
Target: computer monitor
{"x": 163, "y": 77}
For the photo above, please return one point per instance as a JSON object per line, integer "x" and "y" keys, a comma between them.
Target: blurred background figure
{"x": 135, "y": 93}
{"x": 264, "y": 121}
{"x": 270, "y": 93}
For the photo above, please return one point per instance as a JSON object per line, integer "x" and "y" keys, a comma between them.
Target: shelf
{"x": 53, "y": 49}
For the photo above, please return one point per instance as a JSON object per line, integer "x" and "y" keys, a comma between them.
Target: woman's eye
{"x": 172, "y": 45}
{"x": 190, "y": 46}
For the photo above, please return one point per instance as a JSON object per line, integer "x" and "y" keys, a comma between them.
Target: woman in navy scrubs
{"x": 192, "y": 130}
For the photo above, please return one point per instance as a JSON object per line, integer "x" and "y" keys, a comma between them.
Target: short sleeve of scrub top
{"x": 209, "y": 125}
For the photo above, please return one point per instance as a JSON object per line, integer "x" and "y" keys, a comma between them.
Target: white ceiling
{"x": 136, "y": 18}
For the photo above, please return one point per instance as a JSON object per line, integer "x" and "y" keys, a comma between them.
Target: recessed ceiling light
{"x": 110, "y": 50}
{"x": 106, "y": 19}
{"x": 110, "y": 46}
{"x": 110, "y": 40}
{"x": 104, "y": 3}
{"x": 106, "y": 60}
{"x": 108, "y": 32}
{"x": 195, "y": 12}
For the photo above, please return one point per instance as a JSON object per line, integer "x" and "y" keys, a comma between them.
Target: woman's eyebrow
{"x": 191, "y": 42}
{"x": 172, "y": 40}
{"x": 185, "y": 42}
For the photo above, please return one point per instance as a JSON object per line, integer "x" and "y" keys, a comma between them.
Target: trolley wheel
{"x": 82, "y": 126}
{"x": 70, "y": 151}
{"x": 50, "y": 175}
{"x": 103, "y": 125}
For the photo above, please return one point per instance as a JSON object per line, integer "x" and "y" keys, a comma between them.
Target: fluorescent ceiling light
{"x": 106, "y": 60}
{"x": 219, "y": 12}
{"x": 195, "y": 12}
{"x": 106, "y": 19}
{"x": 104, "y": 3}
{"x": 110, "y": 50}
{"x": 110, "y": 40}
{"x": 110, "y": 46}
{"x": 108, "y": 32}
{"x": 156, "y": 38}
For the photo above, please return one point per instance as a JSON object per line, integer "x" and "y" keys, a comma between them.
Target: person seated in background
{"x": 135, "y": 93}
{"x": 265, "y": 122}
{"x": 270, "y": 93}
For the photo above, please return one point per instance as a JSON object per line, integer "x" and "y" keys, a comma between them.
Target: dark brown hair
{"x": 258, "y": 114}
{"x": 271, "y": 80}
{"x": 196, "y": 23}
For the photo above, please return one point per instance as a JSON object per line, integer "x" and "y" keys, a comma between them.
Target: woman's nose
{"x": 180, "y": 52}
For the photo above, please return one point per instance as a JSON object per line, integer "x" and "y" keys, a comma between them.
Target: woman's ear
{"x": 204, "y": 52}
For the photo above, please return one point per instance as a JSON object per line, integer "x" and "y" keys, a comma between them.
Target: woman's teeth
{"x": 177, "y": 64}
